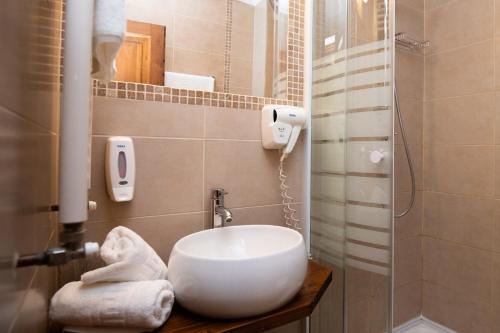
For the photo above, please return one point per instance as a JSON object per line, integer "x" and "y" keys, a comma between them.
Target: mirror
{"x": 233, "y": 46}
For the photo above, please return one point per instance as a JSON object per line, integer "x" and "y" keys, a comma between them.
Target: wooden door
{"x": 134, "y": 60}
{"x": 142, "y": 55}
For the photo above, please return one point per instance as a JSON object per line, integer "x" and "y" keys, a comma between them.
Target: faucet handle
{"x": 218, "y": 192}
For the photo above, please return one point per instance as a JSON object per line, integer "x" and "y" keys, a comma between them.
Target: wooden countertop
{"x": 317, "y": 280}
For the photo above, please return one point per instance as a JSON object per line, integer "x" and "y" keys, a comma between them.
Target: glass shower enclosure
{"x": 352, "y": 140}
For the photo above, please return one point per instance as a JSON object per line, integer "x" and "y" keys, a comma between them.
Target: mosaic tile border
{"x": 227, "y": 51}
{"x": 295, "y": 79}
{"x": 148, "y": 92}
{"x": 295, "y": 51}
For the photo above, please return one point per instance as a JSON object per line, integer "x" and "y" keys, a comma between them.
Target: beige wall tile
{"x": 412, "y": 113}
{"x": 379, "y": 312}
{"x": 168, "y": 179}
{"x": 496, "y": 179}
{"x": 497, "y": 118}
{"x": 358, "y": 285}
{"x": 495, "y": 293}
{"x": 365, "y": 300}
{"x": 402, "y": 179}
{"x": 497, "y": 170}
{"x": 461, "y": 120}
{"x": 249, "y": 173}
{"x": 357, "y": 320}
{"x": 457, "y": 268}
{"x": 27, "y": 153}
{"x": 433, "y": 4}
{"x": 409, "y": 74}
{"x": 241, "y": 73}
{"x": 458, "y": 313}
{"x": 497, "y": 62}
{"x": 462, "y": 71}
{"x": 193, "y": 62}
{"x": 414, "y": 4}
{"x": 410, "y": 19}
{"x": 407, "y": 302}
{"x": 407, "y": 260}
{"x": 168, "y": 229}
{"x": 380, "y": 285}
{"x": 198, "y": 35}
{"x": 410, "y": 224}
{"x": 260, "y": 215}
{"x": 232, "y": 124}
{"x": 152, "y": 11}
{"x": 29, "y": 114}
{"x": 169, "y": 58}
{"x": 32, "y": 316}
{"x": 241, "y": 43}
{"x": 243, "y": 15}
{"x": 496, "y": 231}
{"x": 459, "y": 23}
{"x": 142, "y": 118}
{"x": 459, "y": 169}
{"x": 463, "y": 219}
{"x": 209, "y": 10}
{"x": 464, "y": 270}
{"x": 29, "y": 84}
{"x": 497, "y": 17}
{"x": 241, "y": 91}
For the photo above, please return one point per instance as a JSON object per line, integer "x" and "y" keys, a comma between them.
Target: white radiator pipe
{"x": 75, "y": 114}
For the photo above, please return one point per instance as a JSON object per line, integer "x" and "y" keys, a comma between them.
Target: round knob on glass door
{"x": 376, "y": 156}
{"x": 92, "y": 205}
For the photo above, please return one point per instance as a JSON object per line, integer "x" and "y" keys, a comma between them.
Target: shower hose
{"x": 408, "y": 157}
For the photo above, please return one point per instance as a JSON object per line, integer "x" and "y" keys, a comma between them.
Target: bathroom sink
{"x": 237, "y": 271}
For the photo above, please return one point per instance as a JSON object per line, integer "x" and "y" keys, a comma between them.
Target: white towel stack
{"x": 129, "y": 258}
{"x": 131, "y": 292}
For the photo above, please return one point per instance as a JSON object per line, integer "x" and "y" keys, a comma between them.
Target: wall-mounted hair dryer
{"x": 281, "y": 125}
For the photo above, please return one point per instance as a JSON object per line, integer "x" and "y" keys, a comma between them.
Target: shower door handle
{"x": 376, "y": 156}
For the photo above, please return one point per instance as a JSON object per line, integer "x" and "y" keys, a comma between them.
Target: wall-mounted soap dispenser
{"x": 120, "y": 168}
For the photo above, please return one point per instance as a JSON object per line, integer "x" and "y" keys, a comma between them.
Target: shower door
{"x": 352, "y": 163}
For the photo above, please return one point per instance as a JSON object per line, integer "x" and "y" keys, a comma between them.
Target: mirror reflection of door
{"x": 142, "y": 56}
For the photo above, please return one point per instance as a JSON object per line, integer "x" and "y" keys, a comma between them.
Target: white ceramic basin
{"x": 237, "y": 271}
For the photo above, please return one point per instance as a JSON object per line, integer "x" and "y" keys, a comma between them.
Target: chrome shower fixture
{"x": 410, "y": 43}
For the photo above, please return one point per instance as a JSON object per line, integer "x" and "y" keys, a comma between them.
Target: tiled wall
{"x": 182, "y": 152}
{"x": 409, "y": 74}
{"x": 29, "y": 99}
{"x": 461, "y": 218}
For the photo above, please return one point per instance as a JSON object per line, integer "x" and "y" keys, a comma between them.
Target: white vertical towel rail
{"x": 75, "y": 115}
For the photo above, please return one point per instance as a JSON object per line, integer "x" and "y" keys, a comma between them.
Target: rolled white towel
{"x": 141, "y": 304}
{"x": 129, "y": 258}
{"x": 109, "y": 33}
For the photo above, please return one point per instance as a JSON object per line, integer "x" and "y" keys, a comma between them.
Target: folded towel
{"x": 140, "y": 304}
{"x": 109, "y": 33}
{"x": 129, "y": 258}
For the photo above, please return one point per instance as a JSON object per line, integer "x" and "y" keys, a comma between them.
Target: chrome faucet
{"x": 221, "y": 215}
